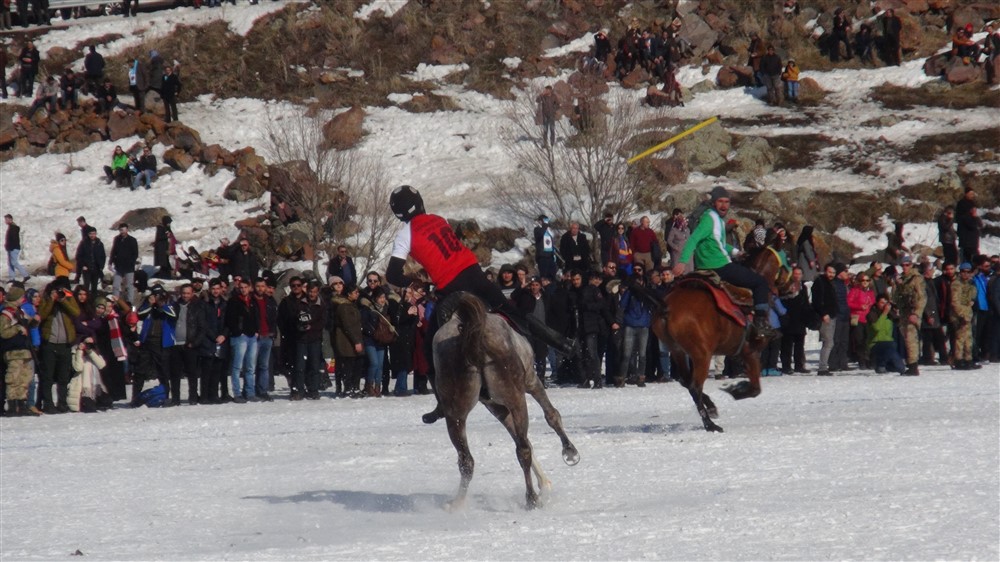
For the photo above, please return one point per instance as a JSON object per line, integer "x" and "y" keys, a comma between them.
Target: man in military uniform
{"x": 911, "y": 298}
{"x": 963, "y": 298}
{"x": 17, "y": 343}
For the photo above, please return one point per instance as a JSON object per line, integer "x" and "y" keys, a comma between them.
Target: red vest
{"x": 434, "y": 245}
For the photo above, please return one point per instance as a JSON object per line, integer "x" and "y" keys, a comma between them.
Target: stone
{"x": 754, "y": 158}
{"x": 37, "y": 137}
{"x": 669, "y": 170}
{"x": 935, "y": 65}
{"x": 178, "y": 159}
{"x": 154, "y": 122}
{"x": 958, "y": 72}
{"x": 810, "y": 87}
{"x": 940, "y": 5}
{"x": 705, "y": 151}
{"x": 702, "y": 87}
{"x": 734, "y": 76}
{"x": 139, "y": 219}
{"x": 288, "y": 177}
{"x": 93, "y": 123}
{"x": 563, "y": 30}
{"x": 243, "y": 189}
{"x": 916, "y": 6}
{"x": 345, "y": 130}
{"x": 8, "y": 136}
{"x": 122, "y": 125}
{"x": 213, "y": 154}
{"x": 248, "y": 163}
{"x": 635, "y": 78}
{"x": 185, "y": 137}
{"x": 549, "y": 42}
{"x": 701, "y": 35}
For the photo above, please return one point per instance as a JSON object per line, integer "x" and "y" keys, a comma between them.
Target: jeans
{"x": 634, "y": 342}
{"x": 664, "y": 359}
{"x": 264, "y": 345}
{"x": 826, "y": 332}
{"x": 401, "y": 377}
{"x": 144, "y": 177}
{"x": 14, "y": 266}
{"x": 792, "y": 89}
{"x": 244, "y": 351}
{"x": 116, "y": 285}
{"x": 884, "y": 354}
{"x": 308, "y": 362}
{"x": 376, "y": 356}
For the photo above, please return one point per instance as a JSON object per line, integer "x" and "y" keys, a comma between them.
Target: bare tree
{"x": 339, "y": 186}
{"x": 582, "y": 175}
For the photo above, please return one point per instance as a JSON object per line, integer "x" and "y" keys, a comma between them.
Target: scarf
{"x": 117, "y": 341}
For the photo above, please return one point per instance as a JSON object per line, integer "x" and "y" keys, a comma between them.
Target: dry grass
{"x": 937, "y": 95}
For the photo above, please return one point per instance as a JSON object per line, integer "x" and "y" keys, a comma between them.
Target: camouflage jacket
{"x": 963, "y": 297}
{"x": 911, "y": 297}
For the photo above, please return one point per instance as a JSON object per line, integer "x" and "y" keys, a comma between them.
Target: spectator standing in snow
{"x": 757, "y": 51}
{"x": 575, "y": 248}
{"x": 169, "y": 90}
{"x": 911, "y": 299}
{"x": 28, "y": 59}
{"x": 991, "y": 48}
{"x": 605, "y": 232}
{"x": 677, "y": 236}
{"x": 342, "y": 266}
{"x": 964, "y": 294}
{"x": 931, "y": 331}
{"x": 860, "y": 299}
{"x": 770, "y": 69}
{"x": 164, "y": 245}
{"x": 840, "y": 34}
{"x": 12, "y": 245}
{"x": 124, "y": 254}
{"x": 969, "y": 225}
{"x": 90, "y": 258}
{"x": 643, "y": 242}
{"x": 548, "y": 108}
{"x": 791, "y": 79}
{"x": 545, "y": 247}
{"x": 129, "y": 7}
{"x": 864, "y": 43}
{"x": 138, "y": 82}
{"x": 892, "y": 28}
{"x": 93, "y": 70}
{"x": 3, "y": 69}
{"x": 947, "y": 235}
{"x": 156, "y": 72}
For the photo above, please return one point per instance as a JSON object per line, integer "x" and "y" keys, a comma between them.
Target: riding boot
{"x": 762, "y": 324}
{"x": 550, "y": 337}
{"x": 13, "y": 409}
{"x": 911, "y": 370}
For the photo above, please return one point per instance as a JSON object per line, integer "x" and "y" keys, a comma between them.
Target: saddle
{"x": 446, "y": 309}
{"x": 731, "y": 300}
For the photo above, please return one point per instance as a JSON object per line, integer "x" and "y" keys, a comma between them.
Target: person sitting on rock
{"x": 962, "y": 44}
{"x": 118, "y": 171}
{"x": 107, "y": 97}
{"x": 47, "y": 96}
{"x": 68, "y": 86}
{"x": 145, "y": 168}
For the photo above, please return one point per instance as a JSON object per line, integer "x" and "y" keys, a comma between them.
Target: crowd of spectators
{"x": 227, "y": 328}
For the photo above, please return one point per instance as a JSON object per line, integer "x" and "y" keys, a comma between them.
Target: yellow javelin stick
{"x": 673, "y": 139}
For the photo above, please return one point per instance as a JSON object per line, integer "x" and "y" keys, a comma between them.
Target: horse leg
{"x": 698, "y": 376}
{"x": 503, "y": 414}
{"x": 750, "y": 387}
{"x": 552, "y": 417}
{"x": 466, "y": 464}
{"x": 515, "y": 419}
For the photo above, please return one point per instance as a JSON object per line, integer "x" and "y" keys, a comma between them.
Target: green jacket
{"x": 47, "y": 312}
{"x": 708, "y": 243}
{"x": 880, "y": 330}
{"x": 119, "y": 161}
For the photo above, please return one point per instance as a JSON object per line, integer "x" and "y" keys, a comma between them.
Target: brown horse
{"x": 688, "y": 321}
{"x": 480, "y": 358}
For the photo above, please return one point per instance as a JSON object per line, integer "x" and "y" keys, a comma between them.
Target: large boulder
{"x": 754, "y": 159}
{"x": 138, "y": 219}
{"x": 93, "y": 123}
{"x": 668, "y": 170}
{"x": 289, "y": 177}
{"x": 178, "y": 159}
{"x": 958, "y": 72}
{"x": 705, "y": 150}
{"x": 248, "y": 163}
{"x": 699, "y": 33}
{"x": 122, "y": 125}
{"x": 635, "y": 78}
{"x": 37, "y": 136}
{"x": 916, "y": 6}
{"x": 290, "y": 240}
{"x": 345, "y": 130}
{"x": 243, "y": 188}
{"x": 734, "y": 76}
{"x": 810, "y": 87}
{"x": 154, "y": 122}
{"x": 935, "y": 65}
{"x": 185, "y": 137}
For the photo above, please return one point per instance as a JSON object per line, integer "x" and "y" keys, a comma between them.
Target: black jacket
{"x": 124, "y": 254}
{"x": 311, "y": 330}
{"x": 824, "y": 297}
{"x": 771, "y": 65}
{"x": 215, "y": 326}
{"x": 93, "y": 65}
{"x": 795, "y": 321}
{"x": 196, "y": 324}
{"x": 171, "y": 87}
{"x": 241, "y": 318}
{"x": 590, "y": 310}
{"x": 13, "y": 240}
{"x": 90, "y": 254}
{"x": 575, "y": 254}
{"x": 243, "y": 265}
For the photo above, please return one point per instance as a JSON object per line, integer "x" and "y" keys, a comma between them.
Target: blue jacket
{"x": 148, "y": 314}
{"x": 36, "y": 335}
{"x": 981, "y": 281}
{"x": 635, "y": 311}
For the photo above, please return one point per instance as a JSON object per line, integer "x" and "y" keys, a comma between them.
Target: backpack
{"x": 384, "y": 333}
{"x": 154, "y": 397}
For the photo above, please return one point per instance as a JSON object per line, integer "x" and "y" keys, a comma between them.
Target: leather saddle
{"x": 731, "y": 300}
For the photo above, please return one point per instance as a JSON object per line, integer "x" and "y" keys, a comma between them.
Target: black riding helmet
{"x": 406, "y": 203}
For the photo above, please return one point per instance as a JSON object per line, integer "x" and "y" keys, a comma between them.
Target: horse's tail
{"x": 471, "y": 313}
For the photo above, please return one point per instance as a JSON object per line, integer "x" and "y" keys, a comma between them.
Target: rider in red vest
{"x": 452, "y": 267}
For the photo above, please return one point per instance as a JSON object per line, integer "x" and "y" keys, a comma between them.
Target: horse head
{"x": 773, "y": 266}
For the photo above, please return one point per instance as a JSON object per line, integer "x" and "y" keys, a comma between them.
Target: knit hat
{"x": 839, "y": 267}
{"x": 966, "y": 266}
{"x": 719, "y": 192}
{"x": 906, "y": 259}
{"x": 335, "y": 279}
{"x": 14, "y": 294}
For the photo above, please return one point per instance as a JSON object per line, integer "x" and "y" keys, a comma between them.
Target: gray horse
{"x": 479, "y": 357}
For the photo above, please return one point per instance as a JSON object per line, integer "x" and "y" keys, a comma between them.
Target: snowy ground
{"x": 847, "y": 467}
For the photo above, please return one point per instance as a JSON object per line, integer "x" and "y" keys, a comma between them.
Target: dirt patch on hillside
{"x": 965, "y": 142}
{"x": 936, "y": 94}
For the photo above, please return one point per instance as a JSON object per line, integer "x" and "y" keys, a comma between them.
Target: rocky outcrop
{"x": 345, "y": 130}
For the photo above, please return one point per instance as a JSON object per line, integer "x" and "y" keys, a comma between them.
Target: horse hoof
{"x": 571, "y": 456}
{"x": 454, "y": 505}
{"x": 713, "y": 428}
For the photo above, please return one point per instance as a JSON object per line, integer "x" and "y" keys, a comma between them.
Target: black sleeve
{"x": 394, "y": 272}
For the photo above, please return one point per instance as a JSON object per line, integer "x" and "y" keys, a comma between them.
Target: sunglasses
{"x": 372, "y": 280}
{"x": 295, "y": 284}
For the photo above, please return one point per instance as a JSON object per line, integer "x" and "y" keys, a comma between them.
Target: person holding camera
{"x": 156, "y": 340}
{"x": 882, "y": 348}
{"x": 58, "y": 312}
